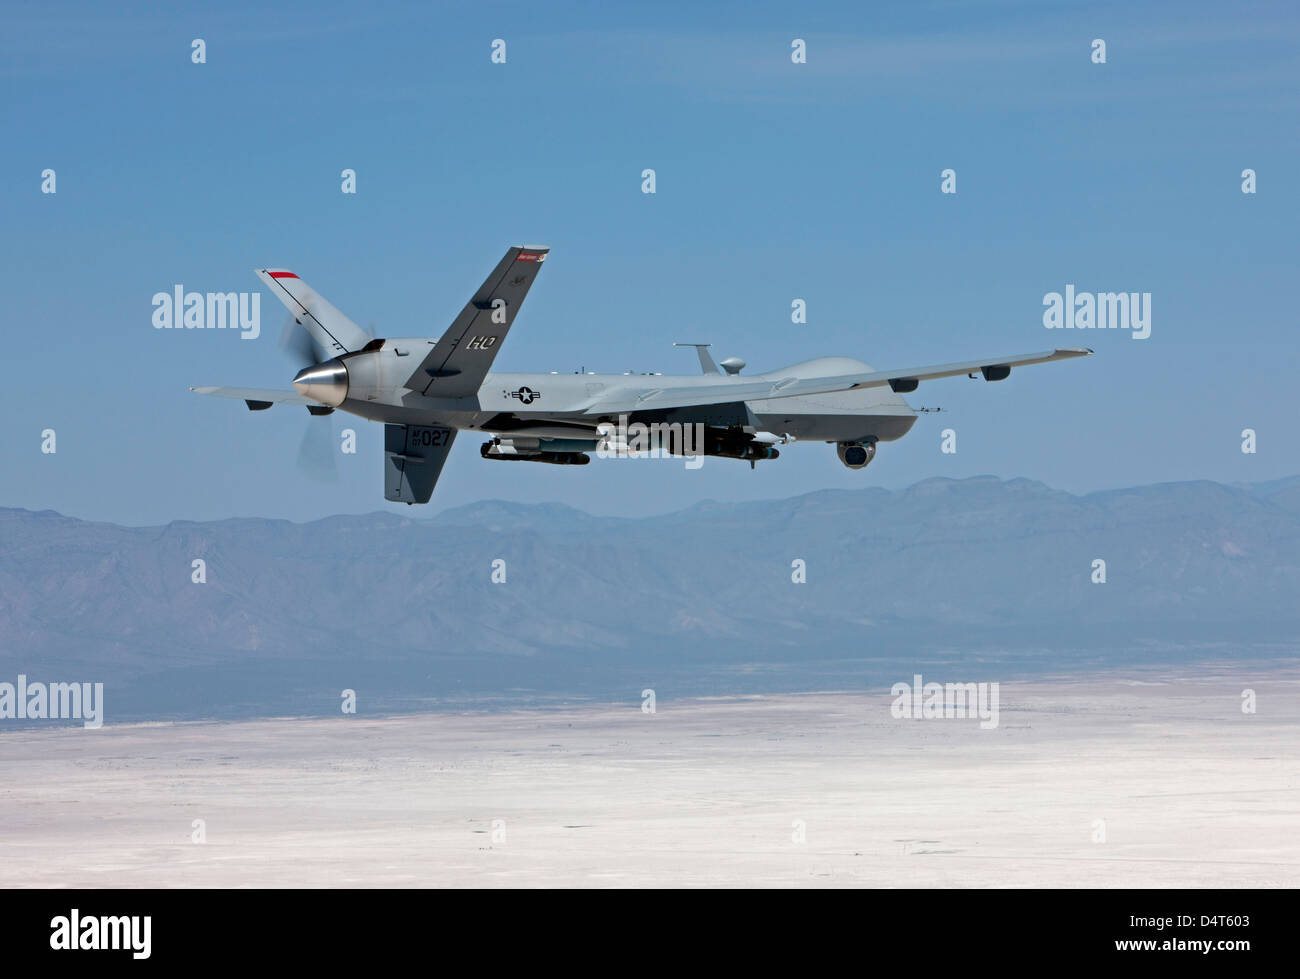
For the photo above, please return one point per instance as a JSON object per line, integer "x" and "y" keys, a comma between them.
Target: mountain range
{"x": 978, "y": 578}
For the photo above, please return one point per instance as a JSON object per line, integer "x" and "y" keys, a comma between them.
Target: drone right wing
{"x": 775, "y": 386}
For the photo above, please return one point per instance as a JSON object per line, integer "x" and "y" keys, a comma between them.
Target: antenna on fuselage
{"x": 706, "y": 362}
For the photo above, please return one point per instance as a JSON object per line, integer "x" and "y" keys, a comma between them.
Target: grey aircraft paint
{"x": 427, "y": 390}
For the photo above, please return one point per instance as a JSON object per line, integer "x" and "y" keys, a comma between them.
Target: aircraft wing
{"x": 261, "y": 397}
{"x": 775, "y": 386}
{"x": 458, "y": 362}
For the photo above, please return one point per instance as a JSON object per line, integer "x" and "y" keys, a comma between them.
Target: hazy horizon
{"x": 432, "y": 512}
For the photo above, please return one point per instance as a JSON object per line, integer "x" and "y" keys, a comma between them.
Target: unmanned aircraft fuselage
{"x": 511, "y": 403}
{"x": 426, "y": 390}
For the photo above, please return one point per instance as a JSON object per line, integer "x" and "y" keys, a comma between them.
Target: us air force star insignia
{"x": 525, "y": 395}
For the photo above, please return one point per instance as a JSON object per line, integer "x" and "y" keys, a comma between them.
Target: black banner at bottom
{"x": 332, "y": 928}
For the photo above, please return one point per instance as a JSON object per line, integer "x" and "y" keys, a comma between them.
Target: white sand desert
{"x": 1190, "y": 790}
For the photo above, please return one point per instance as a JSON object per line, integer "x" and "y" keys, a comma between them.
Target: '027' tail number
{"x": 430, "y": 437}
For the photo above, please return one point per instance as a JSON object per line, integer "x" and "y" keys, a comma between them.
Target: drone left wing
{"x": 775, "y": 386}
{"x": 256, "y": 398}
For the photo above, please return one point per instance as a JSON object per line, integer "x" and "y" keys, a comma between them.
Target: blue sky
{"x": 775, "y": 181}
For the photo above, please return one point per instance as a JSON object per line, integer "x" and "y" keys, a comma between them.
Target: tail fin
{"x": 459, "y": 361}
{"x": 333, "y": 332}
